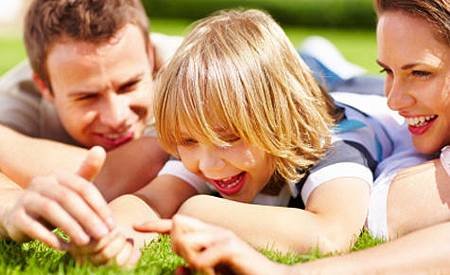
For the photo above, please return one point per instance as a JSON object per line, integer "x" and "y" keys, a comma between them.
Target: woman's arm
{"x": 334, "y": 216}
{"x": 423, "y": 251}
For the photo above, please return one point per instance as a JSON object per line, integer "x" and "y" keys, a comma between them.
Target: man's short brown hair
{"x": 94, "y": 21}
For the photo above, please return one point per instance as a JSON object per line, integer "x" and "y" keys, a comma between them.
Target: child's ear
{"x": 43, "y": 88}
{"x": 151, "y": 58}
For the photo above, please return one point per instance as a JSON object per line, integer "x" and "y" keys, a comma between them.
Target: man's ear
{"x": 43, "y": 88}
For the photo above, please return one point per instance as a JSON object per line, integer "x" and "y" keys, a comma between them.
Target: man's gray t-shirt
{"x": 23, "y": 109}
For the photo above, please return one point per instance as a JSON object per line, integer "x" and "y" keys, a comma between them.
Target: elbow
{"x": 333, "y": 244}
{"x": 337, "y": 239}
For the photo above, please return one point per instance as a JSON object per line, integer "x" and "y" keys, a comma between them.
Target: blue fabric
{"x": 322, "y": 73}
{"x": 348, "y": 125}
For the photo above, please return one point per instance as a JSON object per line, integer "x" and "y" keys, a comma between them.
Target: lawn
{"x": 157, "y": 258}
{"x": 35, "y": 258}
{"x": 358, "y": 46}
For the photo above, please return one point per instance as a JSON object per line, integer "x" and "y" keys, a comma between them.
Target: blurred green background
{"x": 349, "y": 24}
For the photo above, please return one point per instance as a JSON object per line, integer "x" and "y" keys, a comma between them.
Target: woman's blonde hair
{"x": 237, "y": 70}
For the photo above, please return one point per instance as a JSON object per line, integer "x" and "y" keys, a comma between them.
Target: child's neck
{"x": 274, "y": 186}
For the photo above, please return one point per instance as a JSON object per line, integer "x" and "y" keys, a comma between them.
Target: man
{"x": 92, "y": 86}
{"x": 92, "y": 66}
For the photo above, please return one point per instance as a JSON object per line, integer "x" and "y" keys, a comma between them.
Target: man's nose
{"x": 115, "y": 111}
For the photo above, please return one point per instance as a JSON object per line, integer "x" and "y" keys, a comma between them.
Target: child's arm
{"x": 334, "y": 216}
{"x": 161, "y": 198}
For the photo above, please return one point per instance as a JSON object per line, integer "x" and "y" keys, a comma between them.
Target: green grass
{"x": 358, "y": 46}
{"x": 157, "y": 258}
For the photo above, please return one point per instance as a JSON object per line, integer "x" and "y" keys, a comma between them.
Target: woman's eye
{"x": 385, "y": 71}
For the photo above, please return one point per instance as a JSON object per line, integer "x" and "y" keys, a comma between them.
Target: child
{"x": 240, "y": 109}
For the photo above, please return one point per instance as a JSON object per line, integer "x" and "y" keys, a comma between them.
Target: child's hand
{"x": 208, "y": 248}
{"x": 67, "y": 201}
{"x": 114, "y": 248}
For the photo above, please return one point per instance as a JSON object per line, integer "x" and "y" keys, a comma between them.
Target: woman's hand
{"x": 209, "y": 248}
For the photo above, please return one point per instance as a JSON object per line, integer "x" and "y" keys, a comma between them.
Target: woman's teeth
{"x": 419, "y": 121}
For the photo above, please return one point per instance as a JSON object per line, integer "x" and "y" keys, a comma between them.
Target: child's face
{"x": 239, "y": 172}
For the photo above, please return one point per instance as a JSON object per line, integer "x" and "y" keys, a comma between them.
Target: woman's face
{"x": 417, "y": 67}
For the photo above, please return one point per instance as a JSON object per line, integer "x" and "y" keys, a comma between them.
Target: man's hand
{"x": 69, "y": 202}
{"x": 113, "y": 248}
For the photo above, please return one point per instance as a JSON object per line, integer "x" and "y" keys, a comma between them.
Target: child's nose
{"x": 210, "y": 163}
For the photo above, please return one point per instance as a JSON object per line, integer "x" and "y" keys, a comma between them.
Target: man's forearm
{"x": 9, "y": 193}
{"x": 130, "y": 167}
{"x": 23, "y": 157}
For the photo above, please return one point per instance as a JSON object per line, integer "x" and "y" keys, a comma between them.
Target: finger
{"x": 136, "y": 255}
{"x": 188, "y": 224}
{"x": 190, "y": 245}
{"x": 124, "y": 254}
{"x": 196, "y": 241}
{"x": 162, "y": 226}
{"x": 34, "y": 230}
{"x": 210, "y": 258}
{"x": 95, "y": 246}
{"x": 110, "y": 250}
{"x": 93, "y": 163}
{"x": 90, "y": 194}
{"x": 75, "y": 206}
{"x": 49, "y": 210}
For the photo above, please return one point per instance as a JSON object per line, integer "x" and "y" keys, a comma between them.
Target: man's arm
{"x": 9, "y": 192}
{"x": 64, "y": 200}
{"x": 23, "y": 157}
{"x": 126, "y": 170}
{"x": 130, "y": 167}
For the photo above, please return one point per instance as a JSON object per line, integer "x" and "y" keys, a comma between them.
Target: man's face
{"x": 102, "y": 92}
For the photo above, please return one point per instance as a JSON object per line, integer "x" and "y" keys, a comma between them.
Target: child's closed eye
{"x": 188, "y": 142}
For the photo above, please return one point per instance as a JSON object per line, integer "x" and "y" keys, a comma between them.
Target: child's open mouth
{"x": 231, "y": 185}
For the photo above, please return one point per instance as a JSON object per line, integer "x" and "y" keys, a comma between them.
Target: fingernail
{"x": 84, "y": 239}
{"x": 102, "y": 231}
{"x": 111, "y": 223}
{"x": 130, "y": 240}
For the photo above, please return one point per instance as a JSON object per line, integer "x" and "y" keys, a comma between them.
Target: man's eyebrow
{"x": 132, "y": 81}
{"x": 77, "y": 93}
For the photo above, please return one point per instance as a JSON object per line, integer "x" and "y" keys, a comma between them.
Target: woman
{"x": 414, "y": 51}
